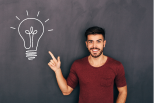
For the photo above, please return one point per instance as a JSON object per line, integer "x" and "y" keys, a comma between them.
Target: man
{"x": 95, "y": 73}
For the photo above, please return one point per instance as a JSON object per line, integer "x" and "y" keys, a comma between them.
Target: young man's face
{"x": 95, "y": 44}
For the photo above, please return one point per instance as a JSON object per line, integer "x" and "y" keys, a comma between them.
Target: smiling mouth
{"x": 95, "y": 50}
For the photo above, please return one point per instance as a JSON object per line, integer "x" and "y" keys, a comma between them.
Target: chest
{"x": 96, "y": 77}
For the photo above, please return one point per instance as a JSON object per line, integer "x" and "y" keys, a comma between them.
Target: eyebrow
{"x": 97, "y": 40}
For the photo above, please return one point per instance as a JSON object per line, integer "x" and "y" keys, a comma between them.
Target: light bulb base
{"x": 31, "y": 54}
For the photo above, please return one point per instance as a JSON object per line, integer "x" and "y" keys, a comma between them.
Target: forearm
{"x": 54, "y": 64}
{"x": 61, "y": 81}
{"x": 122, "y": 97}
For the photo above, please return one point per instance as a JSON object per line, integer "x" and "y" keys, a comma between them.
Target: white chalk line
{"x": 17, "y": 18}
{"x": 31, "y": 51}
{"x": 27, "y": 12}
{"x": 47, "y": 20}
{"x": 50, "y": 30}
{"x": 31, "y": 58}
{"x": 38, "y": 13}
{"x": 29, "y": 54}
{"x": 12, "y": 28}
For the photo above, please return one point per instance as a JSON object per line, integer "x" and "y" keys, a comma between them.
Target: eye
{"x": 90, "y": 41}
{"x": 99, "y": 41}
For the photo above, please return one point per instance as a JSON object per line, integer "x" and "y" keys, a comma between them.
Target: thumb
{"x": 58, "y": 58}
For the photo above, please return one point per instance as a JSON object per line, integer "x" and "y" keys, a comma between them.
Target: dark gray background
{"x": 128, "y": 25}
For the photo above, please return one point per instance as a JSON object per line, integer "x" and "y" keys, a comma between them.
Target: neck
{"x": 96, "y": 62}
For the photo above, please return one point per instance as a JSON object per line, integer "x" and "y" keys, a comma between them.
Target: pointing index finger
{"x": 53, "y": 57}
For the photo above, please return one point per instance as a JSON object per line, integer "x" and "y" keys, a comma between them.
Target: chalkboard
{"x": 25, "y": 76}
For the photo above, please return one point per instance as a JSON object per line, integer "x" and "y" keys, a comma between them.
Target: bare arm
{"x": 54, "y": 64}
{"x": 122, "y": 94}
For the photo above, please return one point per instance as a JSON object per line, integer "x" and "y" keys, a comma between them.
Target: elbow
{"x": 66, "y": 93}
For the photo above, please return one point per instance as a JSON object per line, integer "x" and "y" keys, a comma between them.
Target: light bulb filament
{"x": 33, "y": 32}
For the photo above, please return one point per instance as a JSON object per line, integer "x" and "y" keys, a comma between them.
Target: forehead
{"x": 95, "y": 37}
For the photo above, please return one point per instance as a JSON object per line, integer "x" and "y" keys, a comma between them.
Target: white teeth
{"x": 95, "y": 50}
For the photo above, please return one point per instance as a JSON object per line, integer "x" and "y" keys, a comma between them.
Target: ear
{"x": 104, "y": 42}
{"x": 86, "y": 43}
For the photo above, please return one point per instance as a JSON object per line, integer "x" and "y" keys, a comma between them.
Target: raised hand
{"x": 54, "y": 63}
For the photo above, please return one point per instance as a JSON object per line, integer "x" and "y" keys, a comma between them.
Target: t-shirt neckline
{"x": 100, "y": 66}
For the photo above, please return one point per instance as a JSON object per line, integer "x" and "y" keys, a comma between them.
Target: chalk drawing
{"x": 27, "y": 12}
{"x": 38, "y": 13}
{"x": 31, "y": 54}
{"x": 50, "y": 30}
{"x": 47, "y": 20}
{"x": 12, "y": 27}
{"x": 31, "y": 32}
{"x": 17, "y": 18}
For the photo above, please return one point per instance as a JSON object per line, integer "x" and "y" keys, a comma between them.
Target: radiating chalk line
{"x": 12, "y": 28}
{"x": 38, "y": 13}
{"x": 17, "y": 18}
{"x": 27, "y": 12}
{"x": 47, "y": 20}
{"x": 50, "y": 30}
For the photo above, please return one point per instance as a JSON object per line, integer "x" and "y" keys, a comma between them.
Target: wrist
{"x": 58, "y": 70}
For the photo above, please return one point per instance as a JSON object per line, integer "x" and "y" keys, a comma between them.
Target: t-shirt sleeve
{"x": 72, "y": 79}
{"x": 120, "y": 79}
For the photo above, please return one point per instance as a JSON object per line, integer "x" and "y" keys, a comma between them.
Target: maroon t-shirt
{"x": 96, "y": 83}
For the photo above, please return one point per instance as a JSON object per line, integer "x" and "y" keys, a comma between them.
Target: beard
{"x": 95, "y": 56}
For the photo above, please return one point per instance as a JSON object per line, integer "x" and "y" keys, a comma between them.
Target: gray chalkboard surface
{"x": 61, "y": 25}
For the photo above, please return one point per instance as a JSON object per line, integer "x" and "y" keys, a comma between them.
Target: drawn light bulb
{"x": 29, "y": 34}
{"x": 32, "y": 53}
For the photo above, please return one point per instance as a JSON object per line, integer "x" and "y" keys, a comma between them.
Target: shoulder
{"x": 79, "y": 63}
{"x": 114, "y": 62}
{"x": 115, "y": 65}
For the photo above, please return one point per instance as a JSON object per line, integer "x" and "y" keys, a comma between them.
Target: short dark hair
{"x": 95, "y": 30}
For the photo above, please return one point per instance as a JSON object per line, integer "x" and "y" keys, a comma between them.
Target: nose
{"x": 94, "y": 44}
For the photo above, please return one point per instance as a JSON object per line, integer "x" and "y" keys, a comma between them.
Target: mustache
{"x": 94, "y": 48}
